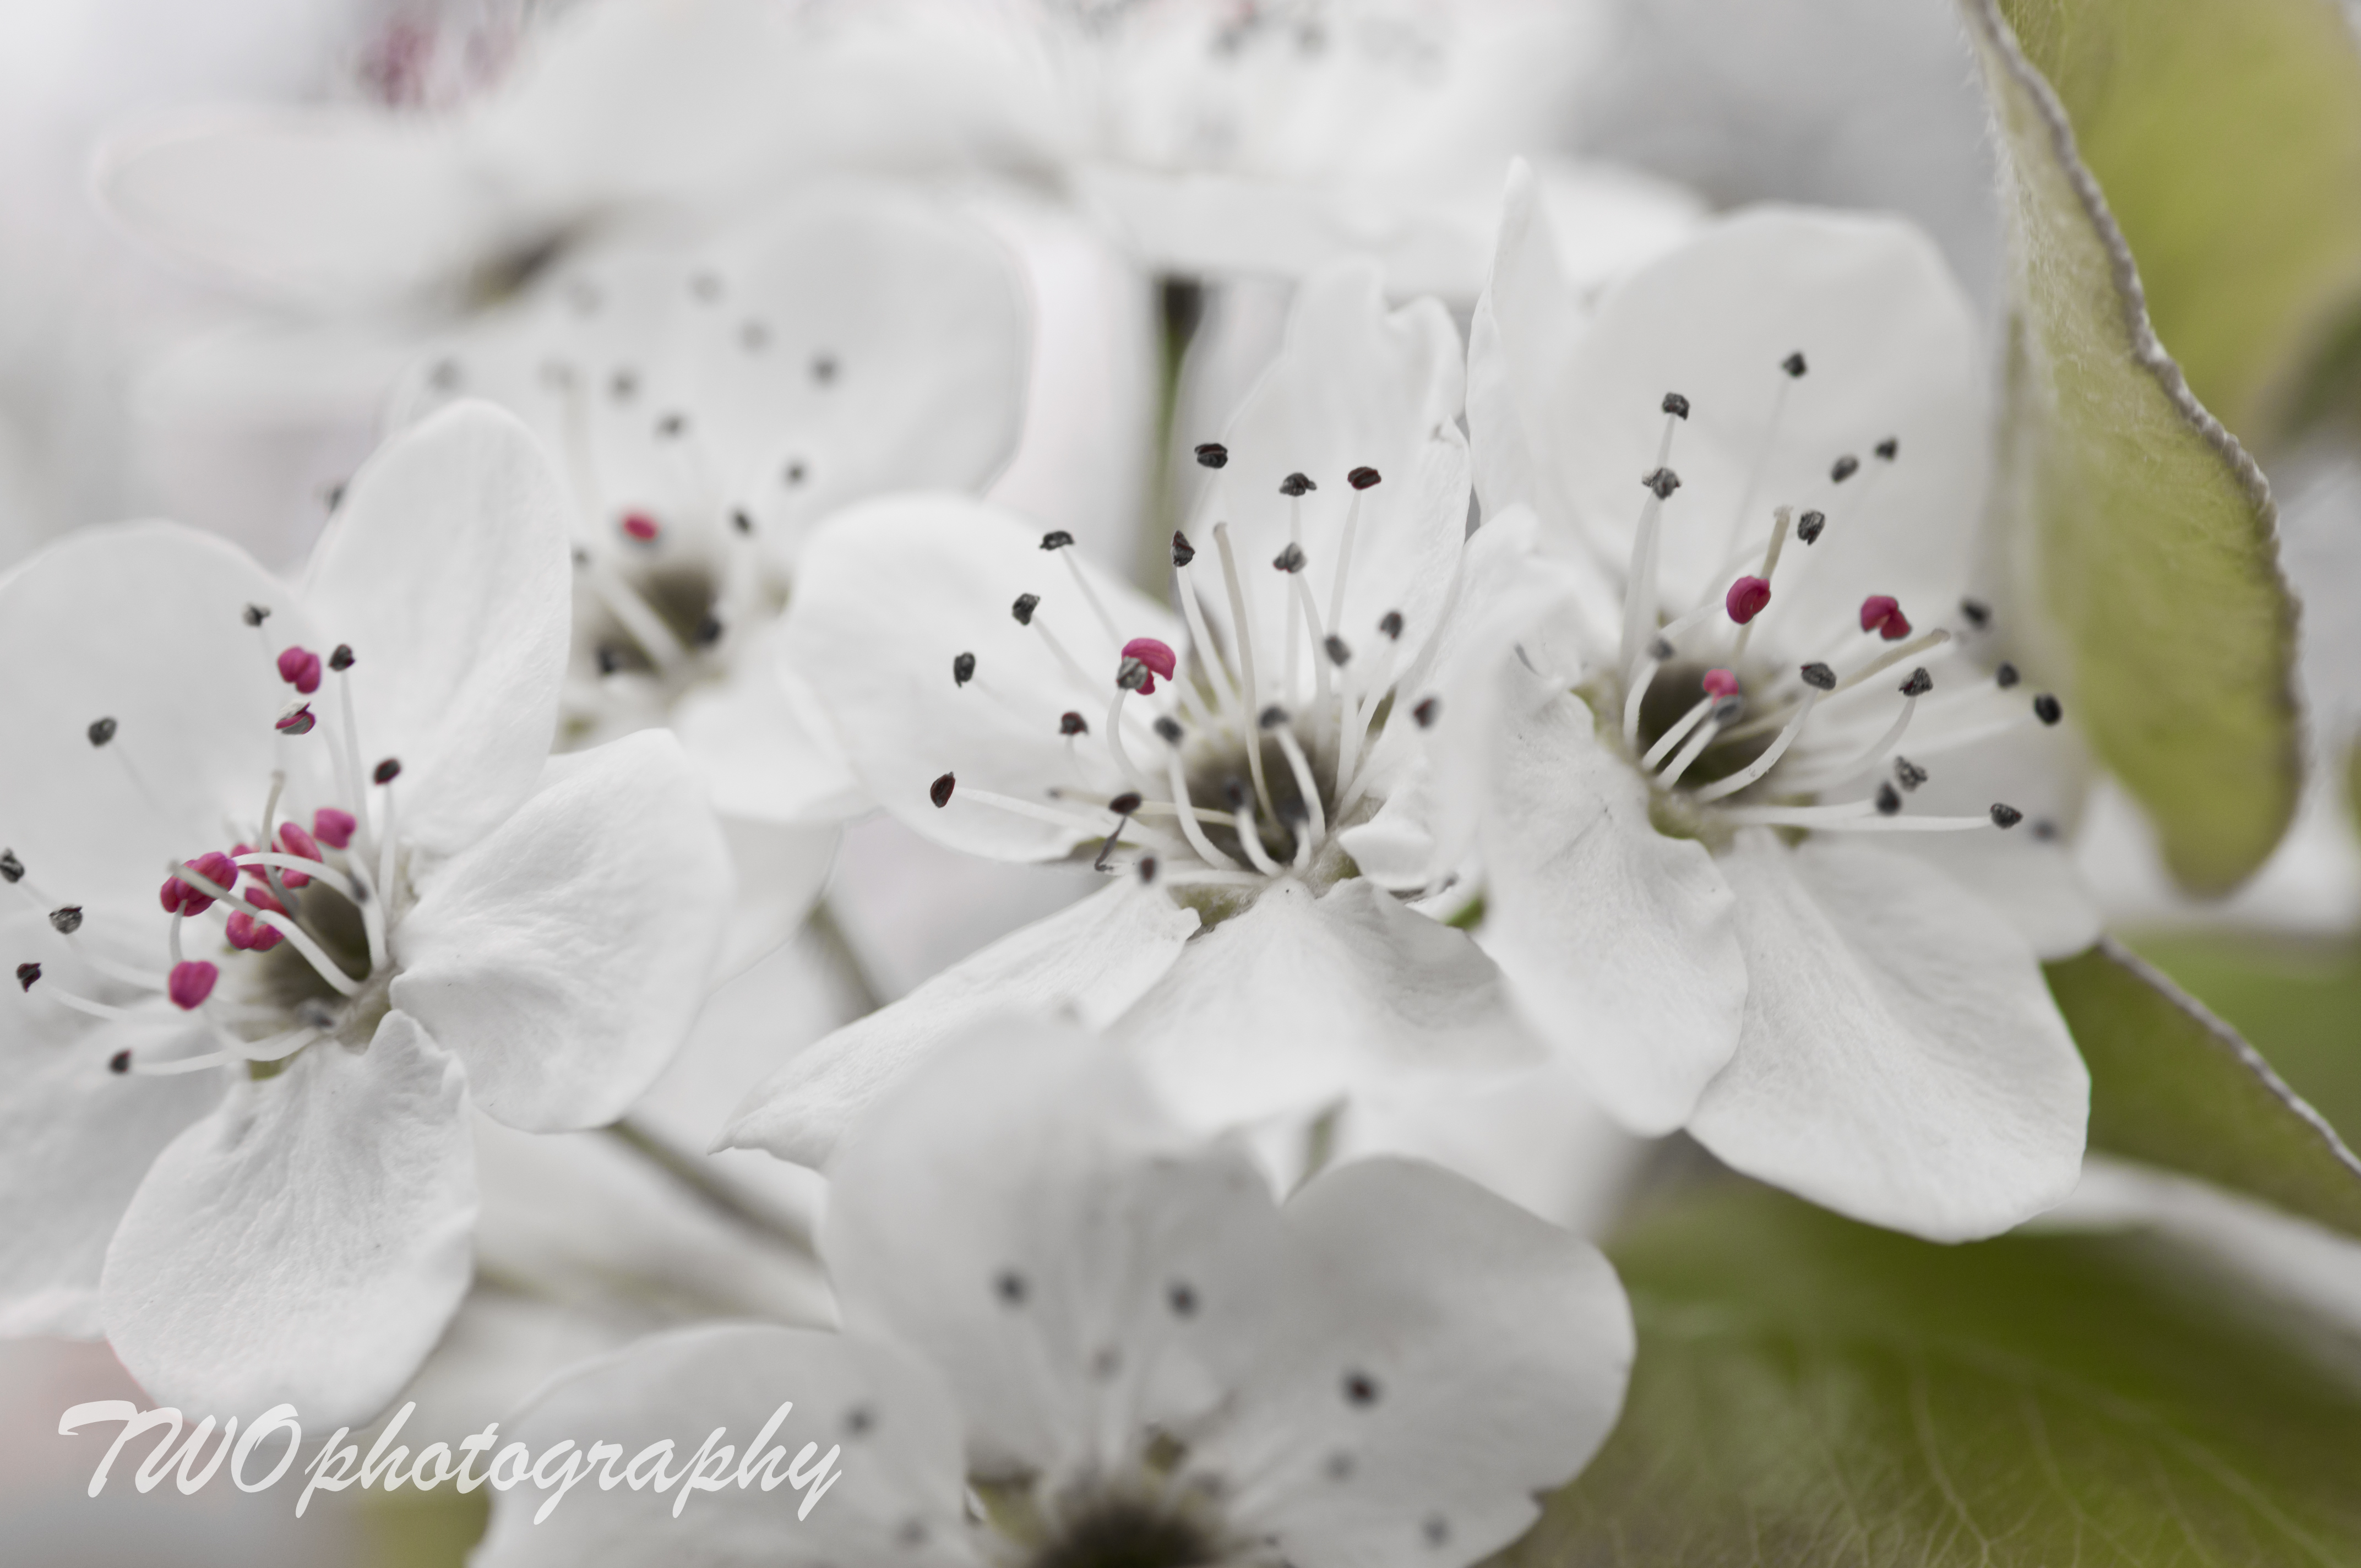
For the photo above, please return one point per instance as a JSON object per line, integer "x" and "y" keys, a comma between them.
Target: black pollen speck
{"x": 12, "y": 870}
{"x": 1289, "y": 560}
{"x": 2004, "y": 816}
{"x": 1212, "y": 454}
{"x": 66, "y": 918}
{"x": 1677, "y": 405}
{"x": 1819, "y": 676}
{"x": 1271, "y": 717}
{"x": 1889, "y": 449}
{"x": 939, "y": 791}
{"x": 1808, "y": 526}
{"x": 962, "y": 668}
{"x": 1427, "y": 711}
{"x": 1296, "y": 484}
{"x": 101, "y": 731}
{"x": 1794, "y": 364}
{"x": 1919, "y": 683}
{"x": 1338, "y": 652}
{"x": 255, "y": 614}
{"x": 1010, "y": 1287}
{"x": 27, "y": 974}
{"x": 1843, "y": 469}
{"x": 2048, "y": 709}
{"x": 1073, "y": 723}
{"x": 1663, "y": 481}
{"x": 1390, "y": 623}
{"x": 342, "y": 659}
{"x": 1024, "y": 608}
{"x": 1360, "y": 1388}
{"x": 1055, "y": 539}
{"x": 1889, "y": 800}
{"x": 1182, "y": 550}
{"x": 1169, "y": 728}
{"x": 1907, "y": 773}
{"x": 386, "y": 772}
{"x": 1978, "y": 613}
{"x": 120, "y": 1062}
{"x": 2006, "y": 676}
{"x": 1361, "y": 478}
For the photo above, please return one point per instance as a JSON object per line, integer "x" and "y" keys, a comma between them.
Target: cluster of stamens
{"x": 1708, "y": 726}
{"x": 310, "y": 907}
{"x": 1223, "y": 783}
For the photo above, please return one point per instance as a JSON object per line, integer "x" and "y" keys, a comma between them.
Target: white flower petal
{"x": 891, "y": 1415}
{"x": 1354, "y": 386}
{"x": 855, "y": 342}
{"x": 1902, "y": 1060}
{"x": 314, "y": 206}
{"x": 563, "y": 957}
{"x": 890, "y": 593}
{"x": 75, "y": 1143}
{"x": 1892, "y": 349}
{"x": 445, "y": 568}
{"x": 1617, "y": 941}
{"x": 761, "y": 760}
{"x": 1097, "y": 957}
{"x": 780, "y": 872}
{"x": 140, "y": 623}
{"x": 305, "y": 1242}
{"x": 1519, "y": 345}
{"x": 1461, "y": 1356}
{"x": 1298, "y": 1001}
{"x": 1024, "y": 1213}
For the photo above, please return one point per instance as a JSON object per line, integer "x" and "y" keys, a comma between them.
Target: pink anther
{"x": 1882, "y": 613}
{"x": 640, "y": 528}
{"x": 178, "y": 898}
{"x": 249, "y": 934}
{"x": 1158, "y": 656}
{"x": 299, "y": 668}
{"x": 1719, "y": 682}
{"x": 333, "y": 827}
{"x": 1746, "y": 599}
{"x": 191, "y": 983}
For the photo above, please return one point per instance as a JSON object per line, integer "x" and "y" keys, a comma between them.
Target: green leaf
{"x": 2227, "y": 136}
{"x": 2136, "y": 521}
{"x": 2174, "y": 1086}
{"x": 1810, "y": 1391}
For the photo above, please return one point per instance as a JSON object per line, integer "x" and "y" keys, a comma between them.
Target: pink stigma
{"x": 1719, "y": 682}
{"x": 1156, "y": 657}
{"x": 1746, "y": 599}
{"x": 249, "y": 934}
{"x": 297, "y": 722}
{"x": 640, "y": 527}
{"x": 299, "y": 668}
{"x": 190, "y": 983}
{"x": 333, "y": 827}
{"x": 1882, "y": 613}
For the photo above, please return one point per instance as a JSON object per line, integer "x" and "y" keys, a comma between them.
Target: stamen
{"x": 1065, "y": 660}
{"x": 1219, "y": 676}
{"x": 1894, "y": 656}
{"x": 1319, "y": 637}
{"x": 1724, "y": 712}
{"x": 1360, "y": 479}
{"x": 346, "y": 758}
{"x": 329, "y": 970}
{"x": 1856, "y": 816}
{"x": 1635, "y": 687}
{"x": 384, "y": 774}
{"x": 1123, "y": 805}
{"x": 1877, "y": 749}
{"x": 1190, "y": 827}
{"x": 1059, "y": 542}
{"x": 1794, "y": 367}
{"x": 1242, "y": 818}
{"x": 27, "y": 974}
{"x": 1250, "y": 689}
{"x": 1763, "y": 763}
{"x": 1275, "y": 720}
{"x": 1681, "y": 727}
{"x": 1058, "y": 818}
{"x": 621, "y": 601}
{"x": 1640, "y": 582}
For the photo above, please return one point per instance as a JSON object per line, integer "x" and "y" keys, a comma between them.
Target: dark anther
{"x": 1889, "y": 800}
{"x": 1660, "y": 649}
{"x": 1073, "y": 723}
{"x": 2047, "y": 709}
{"x": 1843, "y": 469}
{"x": 1055, "y": 539}
{"x": 1808, "y": 526}
{"x": 858, "y": 1420}
{"x": 2045, "y": 830}
{"x": 1170, "y": 728}
{"x": 739, "y": 521}
{"x": 1182, "y": 550}
{"x": 27, "y": 974}
{"x": 708, "y": 629}
{"x": 101, "y": 731}
{"x": 962, "y": 668}
{"x": 11, "y": 869}
{"x": 1234, "y": 793}
{"x": 1147, "y": 868}
{"x": 66, "y": 918}
{"x": 120, "y": 1062}
{"x": 1106, "y": 1361}
{"x": 795, "y": 472}
{"x": 1436, "y": 1529}
{"x": 1727, "y": 710}
{"x": 385, "y": 772}
{"x": 255, "y": 614}
{"x": 1124, "y": 804}
{"x": 1663, "y": 481}
{"x": 342, "y": 659}
{"x": 610, "y": 657}
{"x": 1289, "y": 559}
{"x": 1338, "y": 653}
{"x": 581, "y": 556}
{"x": 1677, "y": 405}
{"x": 1360, "y": 1388}
{"x": 2006, "y": 677}
{"x": 823, "y": 370}
{"x": 1978, "y": 613}
{"x": 1271, "y": 717}
{"x": 1293, "y": 812}
{"x": 1819, "y": 676}
{"x": 939, "y": 791}
{"x": 624, "y": 385}
{"x": 1132, "y": 675}
{"x": 1024, "y": 608}
{"x": 1295, "y": 485}
{"x": 672, "y": 424}
{"x": 1212, "y": 454}
{"x": 1907, "y": 773}
{"x": 1390, "y": 623}
{"x": 1794, "y": 364}
{"x": 1010, "y": 1286}
{"x": 1919, "y": 683}
{"x": 2006, "y": 815}
{"x": 1426, "y": 711}
{"x": 1890, "y": 448}
{"x": 1338, "y": 1466}
{"x": 1181, "y": 1297}
{"x": 1361, "y": 478}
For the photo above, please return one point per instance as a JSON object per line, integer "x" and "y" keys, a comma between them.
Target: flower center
{"x": 296, "y": 918}
{"x": 1731, "y": 734}
{"x": 1122, "y": 1531}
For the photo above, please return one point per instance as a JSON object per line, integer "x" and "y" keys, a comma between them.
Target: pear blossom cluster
{"x": 1569, "y": 704}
